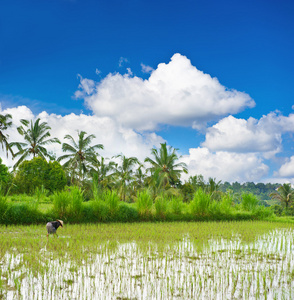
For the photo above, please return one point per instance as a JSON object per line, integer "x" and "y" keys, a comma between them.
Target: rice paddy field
{"x": 205, "y": 260}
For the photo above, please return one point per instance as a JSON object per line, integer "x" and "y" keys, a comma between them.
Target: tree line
{"x": 83, "y": 166}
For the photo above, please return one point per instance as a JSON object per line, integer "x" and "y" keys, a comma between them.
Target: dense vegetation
{"x": 90, "y": 188}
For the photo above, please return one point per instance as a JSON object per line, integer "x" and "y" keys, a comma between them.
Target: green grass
{"x": 162, "y": 259}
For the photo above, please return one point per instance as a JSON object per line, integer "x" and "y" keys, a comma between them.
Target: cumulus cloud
{"x": 115, "y": 138}
{"x": 176, "y": 93}
{"x": 252, "y": 135}
{"x": 287, "y": 169}
{"x": 225, "y": 166}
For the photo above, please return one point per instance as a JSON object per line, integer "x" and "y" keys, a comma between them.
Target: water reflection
{"x": 220, "y": 269}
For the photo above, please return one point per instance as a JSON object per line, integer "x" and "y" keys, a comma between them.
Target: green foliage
{"x": 21, "y": 213}
{"x": 161, "y": 206}
{"x": 61, "y": 201}
{"x": 38, "y": 172}
{"x": 126, "y": 213}
{"x": 111, "y": 199}
{"x": 100, "y": 211}
{"x": 200, "y": 203}
{"x": 176, "y": 205}
{"x": 5, "y": 178}
{"x": 76, "y": 199}
{"x": 144, "y": 204}
{"x": 249, "y": 202}
{"x": 3, "y": 208}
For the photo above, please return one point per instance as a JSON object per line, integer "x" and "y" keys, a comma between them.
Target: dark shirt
{"x": 55, "y": 224}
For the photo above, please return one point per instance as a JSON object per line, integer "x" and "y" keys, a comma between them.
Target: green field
{"x": 178, "y": 260}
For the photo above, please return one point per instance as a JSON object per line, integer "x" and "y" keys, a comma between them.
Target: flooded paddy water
{"x": 229, "y": 260}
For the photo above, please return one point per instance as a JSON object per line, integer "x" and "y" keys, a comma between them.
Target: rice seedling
{"x": 221, "y": 260}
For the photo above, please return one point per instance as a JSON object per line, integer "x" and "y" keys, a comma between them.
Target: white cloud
{"x": 287, "y": 169}
{"x": 146, "y": 69}
{"x": 175, "y": 93}
{"x": 225, "y": 166}
{"x": 239, "y": 135}
{"x": 115, "y": 139}
{"x": 252, "y": 135}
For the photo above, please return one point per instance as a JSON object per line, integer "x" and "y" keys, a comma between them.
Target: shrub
{"x": 126, "y": 213}
{"x": 76, "y": 199}
{"x": 37, "y": 172}
{"x": 111, "y": 199}
{"x": 200, "y": 204}
{"x": 176, "y": 204}
{"x": 100, "y": 210}
{"x": 61, "y": 202}
{"x": 144, "y": 204}
{"x": 249, "y": 202}
{"x": 161, "y": 207}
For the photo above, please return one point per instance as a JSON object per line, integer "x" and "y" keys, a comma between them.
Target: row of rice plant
{"x": 201, "y": 260}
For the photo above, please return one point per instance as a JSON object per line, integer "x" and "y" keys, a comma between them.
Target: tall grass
{"x": 161, "y": 207}
{"x": 61, "y": 200}
{"x": 199, "y": 206}
{"x": 176, "y": 205}
{"x": 144, "y": 204}
{"x": 76, "y": 199}
{"x": 249, "y": 202}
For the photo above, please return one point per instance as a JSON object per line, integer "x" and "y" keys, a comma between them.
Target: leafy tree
{"x": 5, "y": 123}
{"x": 38, "y": 172}
{"x": 197, "y": 181}
{"x": 100, "y": 171}
{"x": 5, "y": 178}
{"x": 165, "y": 161}
{"x": 284, "y": 193}
{"x": 81, "y": 154}
{"x": 124, "y": 173}
{"x": 139, "y": 178}
{"x": 36, "y": 135}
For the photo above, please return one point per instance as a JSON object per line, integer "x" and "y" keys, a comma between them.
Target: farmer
{"x": 52, "y": 227}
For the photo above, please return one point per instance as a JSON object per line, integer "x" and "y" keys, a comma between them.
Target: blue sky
{"x": 62, "y": 59}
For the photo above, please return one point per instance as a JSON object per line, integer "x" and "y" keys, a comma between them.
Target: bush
{"x": 160, "y": 207}
{"x": 199, "y": 206}
{"x": 100, "y": 210}
{"x": 22, "y": 213}
{"x": 176, "y": 204}
{"x": 76, "y": 199}
{"x": 126, "y": 213}
{"x": 37, "y": 173}
{"x": 111, "y": 199}
{"x": 249, "y": 202}
{"x": 61, "y": 202}
{"x": 144, "y": 204}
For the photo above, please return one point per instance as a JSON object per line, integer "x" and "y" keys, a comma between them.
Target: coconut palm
{"x": 101, "y": 171}
{"x": 81, "y": 154}
{"x": 124, "y": 173}
{"x": 36, "y": 136}
{"x": 165, "y": 162}
{"x": 284, "y": 193}
{"x": 5, "y": 123}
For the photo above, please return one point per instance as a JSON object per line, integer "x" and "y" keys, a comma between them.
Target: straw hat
{"x": 61, "y": 222}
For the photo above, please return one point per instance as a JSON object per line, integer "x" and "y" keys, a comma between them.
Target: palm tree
{"x": 213, "y": 188}
{"x": 284, "y": 193}
{"x": 81, "y": 154}
{"x": 124, "y": 173}
{"x": 5, "y": 123}
{"x": 35, "y": 135}
{"x": 100, "y": 170}
{"x": 165, "y": 162}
